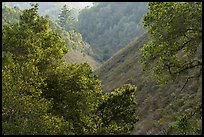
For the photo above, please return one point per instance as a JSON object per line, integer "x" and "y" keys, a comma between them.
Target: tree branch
{"x": 189, "y": 66}
{"x": 185, "y": 84}
{"x": 196, "y": 76}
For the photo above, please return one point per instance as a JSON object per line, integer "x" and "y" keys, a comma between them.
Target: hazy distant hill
{"x": 109, "y": 26}
{"x": 158, "y": 105}
{"x": 51, "y": 8}
{"x": 77, "y": 5}
{"x": 10, "y": 14}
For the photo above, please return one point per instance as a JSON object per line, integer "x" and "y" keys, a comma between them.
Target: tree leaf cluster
{"x": 176, "y": 45}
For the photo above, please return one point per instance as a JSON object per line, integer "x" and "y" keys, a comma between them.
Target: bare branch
{"x": 196, "y": 76}
{"x": 185, "y": 84}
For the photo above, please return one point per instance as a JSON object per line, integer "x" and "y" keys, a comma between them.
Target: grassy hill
{"x": 76, "y": 56}
{"x": 158, "y": 105}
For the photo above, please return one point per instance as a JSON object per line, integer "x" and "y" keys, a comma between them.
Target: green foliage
{"x": 32, "y": 40}
{"x": 22, "y": 105}
{"x": 66, "y": 19}
{"x": 44, "y": 95}
{"x": 176, "y": 31}
{"x": 109, "y": 26}
{"x": 117, "y": 117}
{"x": 185, "y": 124}
{"x": 25, "y": 47}
{"x": 182, "y": 124}
{"x": 175, "y": 50}
{"x": 72, "y": 38}
{"x": 75, "y": 93}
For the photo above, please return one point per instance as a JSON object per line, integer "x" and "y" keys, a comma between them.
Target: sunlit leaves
{"x": 41, "y": 94}
{"x": 117, "y": 117}
{"x": 24, "y": 48}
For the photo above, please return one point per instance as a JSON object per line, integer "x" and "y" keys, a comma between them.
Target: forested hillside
{"x": 109, "y": 26}
{"x": 125, "y": 68}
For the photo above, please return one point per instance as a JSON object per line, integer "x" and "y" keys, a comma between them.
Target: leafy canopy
{"x": 176, "y": 32}
{"x": 117, "y": 117}
{"x": 41, "y": 94}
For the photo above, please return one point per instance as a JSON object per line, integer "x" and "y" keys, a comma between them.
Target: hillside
{"x": 102, "y": 68}
{"x": 122, "y": 66}
{"x": 76, "y": 56}
{"x": 109, "y": 26}
{"x": 158, "y": 105}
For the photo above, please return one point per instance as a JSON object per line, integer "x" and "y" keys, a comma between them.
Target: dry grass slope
{"x": 158, "y": 105}
{"x": 76, "y": 56}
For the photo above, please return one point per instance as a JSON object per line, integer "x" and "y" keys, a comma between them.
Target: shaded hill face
{"x": 109, "y": 26}
{"x": 123, "y": 67}
{"x": 158, "y": 105}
